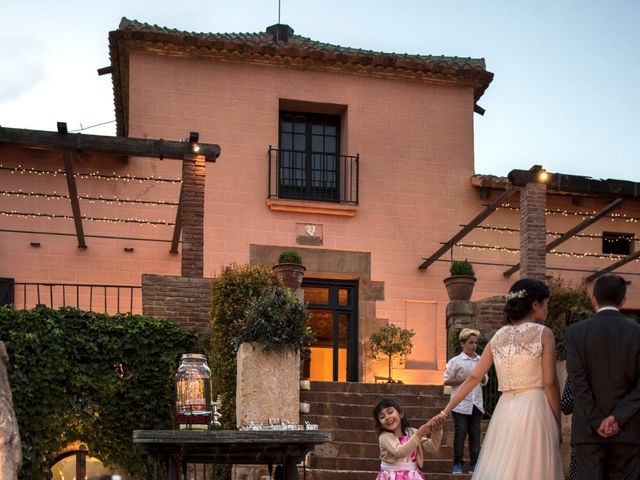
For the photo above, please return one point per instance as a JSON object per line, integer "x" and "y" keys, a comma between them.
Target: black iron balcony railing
{"x": 94, "y": 298}
{"x": 321, "y": 177}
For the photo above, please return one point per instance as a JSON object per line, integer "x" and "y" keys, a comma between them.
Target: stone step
{"x": 419, "y": 412}
{"x": 382, "y": 389}
{"x": 340, "y": 422}
{"x": 316, "y": 474}
{"x": 437, "y": 465}
{"x": 371, "y": 399}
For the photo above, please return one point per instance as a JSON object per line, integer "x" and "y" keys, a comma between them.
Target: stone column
{"x": 533, "y": 227}
{"x": 193, "y": 182}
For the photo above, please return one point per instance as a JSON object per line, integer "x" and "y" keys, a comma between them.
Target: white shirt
{"x": 460, "y": 367}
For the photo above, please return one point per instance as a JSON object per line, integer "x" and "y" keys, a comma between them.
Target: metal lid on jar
{"x": 194, "y": 356}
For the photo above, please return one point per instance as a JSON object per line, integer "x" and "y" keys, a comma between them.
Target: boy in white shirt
{"x": 467, "y": 415}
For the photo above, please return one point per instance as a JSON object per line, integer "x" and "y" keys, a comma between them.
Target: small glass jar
{"x": 193, "y": 392}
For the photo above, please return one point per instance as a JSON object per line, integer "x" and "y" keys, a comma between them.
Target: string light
{"x": 51, "y": 216}
{"x": 498, "y": 248}
{"x": 105, "y": 176}
{"x": 513, "y": 231}
{"x": 584, "y": 215}
{"x": 58, "y": 196}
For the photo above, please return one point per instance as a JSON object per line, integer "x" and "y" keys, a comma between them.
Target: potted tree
{"x": 460, "y": 284}
{"x": 391, "y": 341}
{"x": 270, "y": 339}
{"x": 290, "y": 269}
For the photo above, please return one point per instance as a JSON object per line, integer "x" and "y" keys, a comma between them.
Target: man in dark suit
{"x": 603, "y": 362}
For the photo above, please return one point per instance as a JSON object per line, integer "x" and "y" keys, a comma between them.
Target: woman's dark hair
{"x": 521, "y": 296}
{"x": 386, "y": 403}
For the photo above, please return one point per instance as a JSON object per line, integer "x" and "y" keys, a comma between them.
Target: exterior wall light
{"x": 194, "y": 137}
{"x": 543, "y": 176}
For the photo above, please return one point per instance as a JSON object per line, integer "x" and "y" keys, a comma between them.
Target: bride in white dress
{"x": 523, "y": 438}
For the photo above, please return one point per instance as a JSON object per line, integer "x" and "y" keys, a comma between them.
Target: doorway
{"x": 333, "y": 308}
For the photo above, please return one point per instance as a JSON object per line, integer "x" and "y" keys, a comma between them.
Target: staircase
{"x": 346, "y": 410}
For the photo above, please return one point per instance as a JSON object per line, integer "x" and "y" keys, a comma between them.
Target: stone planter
{"x": 290, "y": 273}
{"x": 459, "y": 287}
{"x": 268, "y": 384}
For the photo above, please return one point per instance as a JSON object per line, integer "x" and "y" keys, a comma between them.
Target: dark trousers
{"x": 607, "y": 461}
{"x": 466, "y": 425}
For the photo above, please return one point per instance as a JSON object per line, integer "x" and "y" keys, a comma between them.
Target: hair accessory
{"x": 517, "y": 294}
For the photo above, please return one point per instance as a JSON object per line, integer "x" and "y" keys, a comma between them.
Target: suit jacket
{"x": 603, "y": 362}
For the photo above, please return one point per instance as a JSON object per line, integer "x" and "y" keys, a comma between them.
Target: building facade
{"x": 362, "y": 161}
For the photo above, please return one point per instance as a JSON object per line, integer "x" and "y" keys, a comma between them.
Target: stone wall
{"x": 486, "y": 315}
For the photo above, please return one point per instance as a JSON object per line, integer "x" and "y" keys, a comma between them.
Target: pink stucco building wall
{"x": 415, "y": 142}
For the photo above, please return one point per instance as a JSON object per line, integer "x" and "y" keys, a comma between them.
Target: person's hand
{"x": 435, "y": 424}
{"x": 438, "y": 420}
{"x": 609, "y": 427}
{"x": 424, "y": 429}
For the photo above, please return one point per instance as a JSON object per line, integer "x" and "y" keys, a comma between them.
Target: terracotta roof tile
{"x": 297, "y": 52}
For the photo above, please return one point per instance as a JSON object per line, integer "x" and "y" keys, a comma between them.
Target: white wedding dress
{"x": 522, "y": 441}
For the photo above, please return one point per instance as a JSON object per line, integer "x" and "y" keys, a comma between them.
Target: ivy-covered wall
{"x": 92, "y": 377}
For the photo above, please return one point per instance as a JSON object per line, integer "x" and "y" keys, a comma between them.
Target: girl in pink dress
{"x": 402, "y": 448}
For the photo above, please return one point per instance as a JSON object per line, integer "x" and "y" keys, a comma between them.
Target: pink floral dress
{"x": 404, "y": 469}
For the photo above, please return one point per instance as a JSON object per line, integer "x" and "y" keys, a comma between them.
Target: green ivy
{"x": 66, "y": 387}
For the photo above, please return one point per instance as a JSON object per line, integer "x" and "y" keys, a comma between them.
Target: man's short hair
{"x": 610, "y": 290}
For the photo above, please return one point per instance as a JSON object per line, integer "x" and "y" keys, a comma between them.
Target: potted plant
{"x": 270, "y": 340}
{"x": 460, "y": 284}
{"x": 391, "y": 341}
{"x": 276, "y": 320}
{"x": 290, "y": 269}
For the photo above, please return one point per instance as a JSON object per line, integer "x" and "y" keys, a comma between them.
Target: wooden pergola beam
{"x": 571, "y": 232}
{"x": 489, "y": 209}
{"x": 613, "y": 266}
{"x": 139, "y": 147}
{"x": 73, "y": 196}
{"x": 177, "y": 229}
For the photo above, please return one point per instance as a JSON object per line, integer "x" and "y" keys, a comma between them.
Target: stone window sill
{"x": 301, "y": 206}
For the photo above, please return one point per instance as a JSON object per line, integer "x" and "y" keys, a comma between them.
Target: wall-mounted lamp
{"x": 193, "y": 141}
{"x": 543, "y": 176}
{"x": 128, "y": 249}
{"x": 539, "y": 174}
{"x": 35, "y": 244}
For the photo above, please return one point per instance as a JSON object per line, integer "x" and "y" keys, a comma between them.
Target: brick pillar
{"x": 533, "y": 227}
{"x": 193, "y": 176}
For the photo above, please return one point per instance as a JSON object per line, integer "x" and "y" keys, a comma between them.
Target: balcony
{"x": 314, "y": 177}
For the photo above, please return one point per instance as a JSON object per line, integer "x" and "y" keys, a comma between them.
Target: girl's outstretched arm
{"x": 390, "y": 448}
{"x": 474, "y": 378}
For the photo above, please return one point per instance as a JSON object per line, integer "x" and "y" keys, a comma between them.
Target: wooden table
{"x": 174, "y": 449}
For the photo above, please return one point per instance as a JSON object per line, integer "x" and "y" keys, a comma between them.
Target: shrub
{"x": 462, "y": 267}
{"x": 67, "y": 386}
{"x": 568, "y": 305}
{"x": 276, "y": 320}
{"x": 290, "y": 256}
{"x": 233, "y": 292}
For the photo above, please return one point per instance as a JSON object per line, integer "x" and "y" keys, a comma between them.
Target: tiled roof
{"x": 296, "y": 52}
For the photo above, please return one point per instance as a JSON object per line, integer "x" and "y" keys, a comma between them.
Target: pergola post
{"x": 533, "y": 229}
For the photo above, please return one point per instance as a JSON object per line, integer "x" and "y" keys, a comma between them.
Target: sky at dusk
{"x": 565, "y": 95}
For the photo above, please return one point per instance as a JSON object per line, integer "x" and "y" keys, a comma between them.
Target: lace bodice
{"x": 517, "y": 356}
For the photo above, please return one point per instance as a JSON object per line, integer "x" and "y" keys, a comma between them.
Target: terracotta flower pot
{"x": 459, "y": 287}
{"x": 290, "y": 273}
